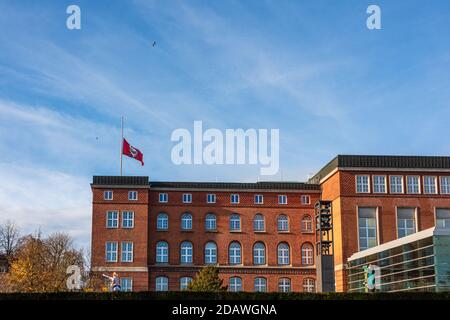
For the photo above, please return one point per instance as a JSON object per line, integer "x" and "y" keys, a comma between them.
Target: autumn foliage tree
{"x": 207, "y": 280}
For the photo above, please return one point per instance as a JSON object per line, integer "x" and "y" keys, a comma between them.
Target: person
{"x": 115, "y": 282}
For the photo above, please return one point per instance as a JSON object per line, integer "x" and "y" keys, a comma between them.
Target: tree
{"x": 207, "y": 280}
{"x": 9, "y": 239}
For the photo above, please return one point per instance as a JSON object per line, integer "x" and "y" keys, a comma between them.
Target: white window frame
{"x": 234, "y": 222}
{"x": 445, "y": 187}
{"x": 282, "y": 223}
{"x": 309, "y": 285}
{"x": 163, "y": 197}
{"x": 185, "y": 224}
{"x": 307, "y": 219}
{"x": 282, "y": 199}
{"x": 235, "y": 254}
{"x": 375, "y": 185}
{"x": 305, "y": 199}
{"x": 426, "y": 185}
{"x": 259, "y": 254}
{"x": 126, "y": 213}
{"x": 211, "y": 198}
{"x": 162, "y": 252}
{"x": 111, "y": 252}
{"x": 235, "y": 285}
{"x": 402, "y": 185}
{"x": 234, "y": 198}
{"x": 445, "y": 220}
{"x": 126, "y": 254}
{"x": 397, "y": 222}
{"x": 210, "y": 253}
{"x": 161, "y": 283}
{"x": 284, "y": 285}
{"x": 164, "y": 225}
{"x": 115, "y": 221}
{"x": 124, "y": 287}
{"x": 108, "y": 192}
{"x": 283, "y": 259}
{"x": 259, "y": 199}
{"x": 418, "y": 184}
{"x": 187, "y": 197}
{"x": 186, "y": 252}
{"x": 307, "y": 253}
{"x": 260, "y": 284}
{"x": 130, "y": 193}
{"x": 357, "y": 184}
{"x": 377, "y": 231}
{"x": 184, "y": 282}
{"x": 257, "y": 223}
{"x": 208, "y": 221}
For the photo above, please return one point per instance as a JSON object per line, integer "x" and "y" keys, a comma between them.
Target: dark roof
{"x": 144, "y": 182}
{"x": 392, "y": 162}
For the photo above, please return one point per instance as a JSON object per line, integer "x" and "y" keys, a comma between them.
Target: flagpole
{"x": 121, "y": 143}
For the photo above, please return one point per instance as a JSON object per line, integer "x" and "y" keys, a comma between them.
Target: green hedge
{"x": 223, "y": 296}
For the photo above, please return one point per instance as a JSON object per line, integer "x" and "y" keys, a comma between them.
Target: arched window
{"x": 186, "y": 221}
{"x": 162, "y": 252}
{"x": 307, "y": 224}
{"x": 235, "y": 284}
{"x": 283, "y": 223}
{"x": 162, "y": 221}
{"x": 259, "y": 253}
{"x": 210, "y": 222}
{"x": 307, "y": 254}
{"x": 184, "y": 282}
{"x": 283, "y": 254}
{"x": 235, "y": 222}
{"x": 258, "y": 222}
{"x": 210, "y": 253}
{"x": 234, "y": 253}
{"x": 284, "y": 285}
{"x": 309, "y": 285}
{"x": 260, "y": 285}
{"x": 162, "y": 284}
{"x": 186, "y": 252}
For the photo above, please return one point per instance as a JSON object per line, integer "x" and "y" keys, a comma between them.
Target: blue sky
{"x": 309, "y": 68}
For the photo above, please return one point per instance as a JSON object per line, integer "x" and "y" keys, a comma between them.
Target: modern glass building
{"x": 417, "y": 262}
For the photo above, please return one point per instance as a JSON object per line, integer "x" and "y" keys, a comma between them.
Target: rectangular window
{"x": 362, "y": 184}
{"x": 282, "y": 199}
{"x": 412, "y": 184}
{"x": 259, "y": 199}
{"x": 187, "y": 197}
{"x": 443, "y": 218}
{"x": 163, "y": 197}
{"x": 379, "y": 184}
{"x": 234, "y": 198}
{"x": 211, "y": 198}
{"x": 108, "y": 195}
{"x": 127, "y": 219}
{"x": 126, "y": 284}
{"x": 445, "y": 185}
{"x": 430, "y": 184}
{"x": 305, "y": 199}
{"x": 396, "y": 184}
{"x": 132, "y": 195}
{"x": 112, "y": 219}
{"x": 127, "y": 251}
{"x": 367, "y": 228}
{"x": 111, "y": 251}
{"x": 406, "y": 221}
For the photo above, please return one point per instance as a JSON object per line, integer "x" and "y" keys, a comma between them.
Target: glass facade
{"x": 420, "y": 265}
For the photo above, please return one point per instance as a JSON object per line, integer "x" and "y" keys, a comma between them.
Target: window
{"x": 430, "y": 184}
{"x": 396, "y": 184}
{"x": 283, "y": 223}
{"x": 406, "y": 221}
{"x": 305, "y": 199}
{"x": 235, "y": 284}
{"x": 362, "y": 184}
{"x": 284, "y": 285}
{"x": 379, "y": 184}
{"x": 132, "y": 195}
{"x": 367, "y": 227}
{"x": 108, "y": 195}
{"x": 162, "y": 284}
{"x": 112, "y": 219}
{"x": 210, "y": 222}
{"x": 309, "y": 285}
{"x": 186, "y": 221}
{"x": 234, "y": 198}
{"x": 258, "y": 222}
{"x": 259, "y": 199}
{"x": 186, "y": 252}
{"x": 111, "y": 251}
{"x": 235, "y": 222}
{"x": 127, "y": 219}
{"x": 162, "y": 221}
{"x": 412, "y": 184}
{"x": 126, "y": 284}
{"x": 127, "y": 251}
{"x": 283, "y": 254}
{"x": 211, "y": 198}
{"x": 210, "y": 253}
{"x": 443, "y": 218}
{"x": 307, "y": 254}
{"x": 163, "y": 197}
{"x": 282, "y": 199}
{"x": 187, "y": 197}
{"x": 235, "y": 253}
{"x": 260, "y": 285}
{"x": 259, "y": 253}
{"x": 184, "y": 282}
{"x": 162, "y": 252}
{"x": 445, "y": 185}
{"x": 307, "y": 224}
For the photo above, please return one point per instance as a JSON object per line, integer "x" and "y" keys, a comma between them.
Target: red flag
{"x": 132, "y": 152}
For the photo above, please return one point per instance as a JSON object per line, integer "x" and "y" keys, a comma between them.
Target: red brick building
{"x": 157, "y": 235}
